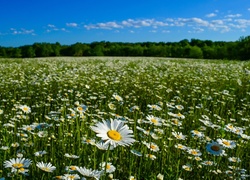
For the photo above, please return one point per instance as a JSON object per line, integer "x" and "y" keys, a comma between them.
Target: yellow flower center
{"x": 152, "y": 146}
{"x": 17, "y": 165}
{"x": 215, "y": 148}
{"x": 73, "y": 168}
{"x": 114, "y": 135}
{"x": 154, "y": 121}
{"x": 25, "y": 109}
{"x": 108, "y": 166}
{"x": 226, "y": 143}
{"x": 29, "y": 129}
{"x": 45, "y": 169}
{"x": 79, "y": 108}
{"x": 194, "y": 152}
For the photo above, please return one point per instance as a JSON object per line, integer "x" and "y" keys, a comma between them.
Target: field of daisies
{"x": 124, "y": 118}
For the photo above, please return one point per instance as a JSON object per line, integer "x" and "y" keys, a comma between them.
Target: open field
{"x": 124, "y": 118}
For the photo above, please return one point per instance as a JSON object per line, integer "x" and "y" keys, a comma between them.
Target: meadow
{"x": 124, "y": 118}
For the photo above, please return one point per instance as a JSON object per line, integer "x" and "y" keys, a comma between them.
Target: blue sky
{"x": 70, "y": 21}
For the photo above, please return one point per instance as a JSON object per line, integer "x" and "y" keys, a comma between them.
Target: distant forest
{"x": 195, "y": 48}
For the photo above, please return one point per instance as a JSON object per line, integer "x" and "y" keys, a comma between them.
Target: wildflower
{"x": 88, "y": 141}
{"x": 132, "y": 178}
{"x": 117, "y": 97}
{"x": 71, "y": 156}
{"x": 151, "y": 156}
{"x": 68, "y": 177}
{"x": 176, "y": 122}
{"x": 81, "y": 108}
{"x": 160, "y": 176}
{"x": 112, "y": 106}
{"x": 187, "y": 167}
{"x": 215, "y": 148}
{"x": 40, "y": 153}
{"x": 179, "y": 135}
{"x": 114, "y": 132}
{"x": 154, "y": 120}
{"x": 154, "y": 107}
{"x": 227, "y": 143}
{"x": 71, "y": 169}
{"x": 197, "y": 133}
{"x": 152, "y": 146}
{"x": 179, "y": 107}
{"x": 180, "y": 146}
{"x": 234, "y": 159}
{"x": 108, "y": 166}
{"x": 47, "y": 167}
{"x": 208, "y": 163}
{"x": 17, "y": 163}
{"x": 25, "y": 109}
{"x": 89, "y": 172}
{"x": 195, "y": 152}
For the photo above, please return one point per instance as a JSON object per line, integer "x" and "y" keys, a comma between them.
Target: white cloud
{"x": 211, "y": 15}
{"x": 22, "y": 31}
{"x": 233, "y": 15}
{"x": 248, "y": 9}
{"x": 193, "y": 25}
{"x": 71, "y": 24}
{"x": 51, "y": 26}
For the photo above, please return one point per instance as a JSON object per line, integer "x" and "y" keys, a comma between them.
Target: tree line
{"x": 194, "y": 48}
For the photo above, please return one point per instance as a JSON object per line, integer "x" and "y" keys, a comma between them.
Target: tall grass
{"x": 211, "y": 97}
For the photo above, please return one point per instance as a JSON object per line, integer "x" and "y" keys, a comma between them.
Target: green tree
{"x": 195, "y": 52}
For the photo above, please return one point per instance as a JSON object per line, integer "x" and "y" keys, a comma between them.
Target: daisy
{"x": 215, "y": 148}
{"x": 132, "y": 178}
{"x": 176, "y": 122}
{"x": 89, "y": 172}
{"x": 180, "y": 146}
{"x": 208, "y": 163}
{"x": 154, "y": 120}
{"x": 195, "y": 152}
{"x": 179, "y": 135}
{"x": 187, "y": 167}
{"x": 179, "y": 107}
{"x": 234, "y": 159}
{"x": 71, "y": 156}
{"x": 227, "y": 143}
{"x": 152, "y": 146}
{"x": 17, "y": 163}
{"x": 109, "y": 167}
{"x": 196, "y": 133}
{"x": 70, "y": 169}
{"x": 70, "y": 176}
{"x": 114, "y": 132}
{"x": 40, "y": 153}
{"x": 151, "y": 156}
{"x": 117, "y": 97}
{"x": 154, "y": 107}
{"x": 47, "y": 167}
{"x": 25, "y": 109}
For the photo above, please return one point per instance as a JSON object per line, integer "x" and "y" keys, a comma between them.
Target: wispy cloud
{"x": 72, "y": 24}
{"x": 52, "y": 27}
{"x": 233, "y": 15}
{"x": 22, "y": 31}
{"x": 211, "y": 15}
{"x": 193, "y": 25}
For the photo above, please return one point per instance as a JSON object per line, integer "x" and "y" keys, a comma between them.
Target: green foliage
{"x": 183, "y": 49}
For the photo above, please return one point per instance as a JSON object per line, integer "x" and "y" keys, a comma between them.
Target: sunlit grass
{"x": 189, "y": 118}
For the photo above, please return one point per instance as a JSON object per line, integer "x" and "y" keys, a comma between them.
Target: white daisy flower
{"x": 89, "y": 172}
{"x": 25, "y": 109}
{"x": 17, "y": 163}
{"x": 114, "y": 132}
{"x": 109, "y": 167}
{"x": 154, "y": 120}
{"x": 47, "y": 167}
{"x": 227, "y": 143}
